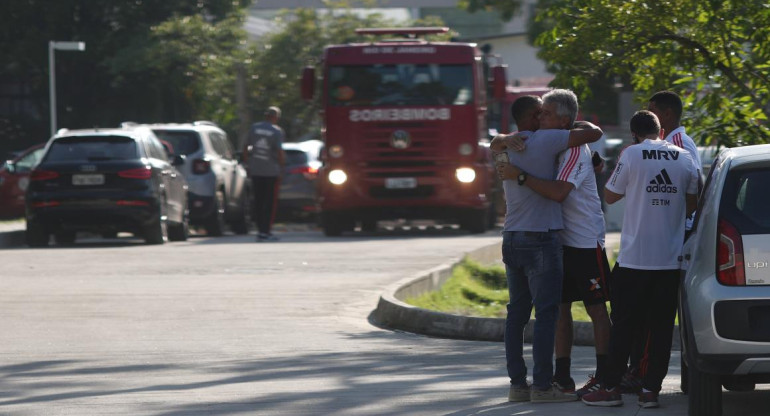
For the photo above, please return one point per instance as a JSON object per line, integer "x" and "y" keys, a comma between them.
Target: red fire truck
{"x": 405, "y": 132}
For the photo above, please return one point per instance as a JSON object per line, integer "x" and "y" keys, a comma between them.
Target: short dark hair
{"x": 668, "y": 100}
{"x": 522, "y": 105}
{"x": 645, "y": 123}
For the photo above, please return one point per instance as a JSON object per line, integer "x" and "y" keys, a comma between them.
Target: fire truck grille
{"x": 422, "y": 191}
{"x": 418, "y": 160}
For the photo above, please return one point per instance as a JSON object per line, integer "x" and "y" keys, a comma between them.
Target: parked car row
{"x": 151, "y": 180}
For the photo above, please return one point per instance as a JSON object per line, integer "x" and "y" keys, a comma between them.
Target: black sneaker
{"x": 631, "y": 383}
{"x": 266, "y": 237}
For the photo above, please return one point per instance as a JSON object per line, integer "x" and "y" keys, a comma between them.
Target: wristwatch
{"x": 522, "y": 177}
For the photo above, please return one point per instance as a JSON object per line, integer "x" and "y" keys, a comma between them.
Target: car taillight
{"x": 201, "y": 166}
{"x": 43, "y": 175}
{"x": 139, "y": 173}
{"x": 308, "y": 172}
{"x": 730, "y": 270}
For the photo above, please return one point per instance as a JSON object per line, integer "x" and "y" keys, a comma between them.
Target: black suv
{"x": 106, "y": 181}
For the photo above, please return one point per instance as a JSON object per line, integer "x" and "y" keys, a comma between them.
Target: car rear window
{"x": 92, "y": 149}
{"x": 296, "y": 157}
{"x": 746, "y": 201}
{"x": 182, "y": 142}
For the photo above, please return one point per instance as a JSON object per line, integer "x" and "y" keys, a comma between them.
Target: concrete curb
{"x": 393, "y": 313}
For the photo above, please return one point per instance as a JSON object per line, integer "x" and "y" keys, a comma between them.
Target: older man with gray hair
{"x": 532, "y": 250}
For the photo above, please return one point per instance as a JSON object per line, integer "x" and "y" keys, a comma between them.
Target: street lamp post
{"x": 62, "y": 46}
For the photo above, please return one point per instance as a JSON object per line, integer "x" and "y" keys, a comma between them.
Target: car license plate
{"x": 88, "y": 179}
{"x": 400, "y": 183}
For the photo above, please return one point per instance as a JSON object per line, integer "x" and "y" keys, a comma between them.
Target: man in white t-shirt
{"x": 586, "y": 269}
{"x": 660, "y": 184}
{"x": 668, "y": 107}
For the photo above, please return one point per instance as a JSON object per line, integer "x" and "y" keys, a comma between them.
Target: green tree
{"x": 506, "y": 8}
{"x": 714, "y": 53}
{"x": 121, "y": 75}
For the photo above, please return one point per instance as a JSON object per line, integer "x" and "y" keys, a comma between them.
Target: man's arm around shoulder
{"x": 584, "y": 133}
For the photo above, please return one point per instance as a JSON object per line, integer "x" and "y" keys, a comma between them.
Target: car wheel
{"x": 334, "y": 224}
{"x": 475, "y": 221}
{"x": 369, "y": 226}
{"x": 241, "y": 225}
{"x": 64, "y": 237}
{"x": 215, "y": 225}
{"x": 704, "y": 394}
{"x": 157, "y": 231}
{"x": 36, "y": 235}
{"x": 179, "y": 231}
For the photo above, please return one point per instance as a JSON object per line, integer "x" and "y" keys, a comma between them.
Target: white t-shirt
{"x": 679, "y": 138}
{"x": 582, "y": 210}
{"x": 654, "y": 176}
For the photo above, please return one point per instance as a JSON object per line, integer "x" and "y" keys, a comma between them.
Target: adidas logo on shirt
{"x": 662, "y": 183}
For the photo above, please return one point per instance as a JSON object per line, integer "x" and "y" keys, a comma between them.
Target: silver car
{"x": 219, "y": 187}
{"x": 725, "y": 294}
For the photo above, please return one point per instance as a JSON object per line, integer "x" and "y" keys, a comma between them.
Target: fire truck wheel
{"x": 475, "y": 221}
{"x": 334, "y": 224}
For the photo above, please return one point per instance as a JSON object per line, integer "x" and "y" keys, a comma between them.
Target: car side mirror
{"x": 178, "y": 160}
{"x": 10, "y": 166}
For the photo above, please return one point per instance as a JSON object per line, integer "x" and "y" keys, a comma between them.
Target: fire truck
{"x": 405, "y": 131}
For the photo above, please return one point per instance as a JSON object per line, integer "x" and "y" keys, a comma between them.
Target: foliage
{"x": 472, "y": 290}
{"x": 507, "y": 8}
{"x": 714, "y": 53}
{"x": 118, "y": 76}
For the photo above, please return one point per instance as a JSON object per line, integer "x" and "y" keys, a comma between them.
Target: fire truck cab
{"x": 405, "y": 131}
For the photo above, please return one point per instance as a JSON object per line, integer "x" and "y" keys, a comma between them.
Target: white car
{"x": 725, "y": 294}
{"x": 220, "y": 189}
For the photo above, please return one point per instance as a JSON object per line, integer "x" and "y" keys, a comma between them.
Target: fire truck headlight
{"x": 336, "y": 151}
{"x": 465, "y": 149}
{"x": 337, "y": 177}
{"x": 465, "y": 175}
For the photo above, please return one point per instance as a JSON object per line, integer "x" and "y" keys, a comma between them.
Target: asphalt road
{"x": 228, "y": 326}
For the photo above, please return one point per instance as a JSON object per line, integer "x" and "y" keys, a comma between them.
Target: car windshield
{"x": 296, "y": 157}
{"x": 92, "y": 148}
{"x": 183, "y": 142}
{"x": 745, "y": 201}
{"x": 401, "y": 84}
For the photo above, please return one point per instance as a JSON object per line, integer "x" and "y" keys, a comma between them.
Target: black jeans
{"x": 642, "y": 299}
{"x": 265, "y": 198}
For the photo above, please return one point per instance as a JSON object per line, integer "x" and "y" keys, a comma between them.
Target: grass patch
{"x": 476, "y": 290}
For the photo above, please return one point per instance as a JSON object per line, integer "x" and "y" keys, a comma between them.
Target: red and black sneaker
{"x": 604, "y": 397}
{"x": 591, "y": 386}
{"x": 648, "y": 399}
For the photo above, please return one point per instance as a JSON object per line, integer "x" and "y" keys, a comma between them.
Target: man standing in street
{"x": 531, "y": 246}
{"x": 660, "y": 183}
{"x": 586, "y": 269}
{"x": 265, "y": 159}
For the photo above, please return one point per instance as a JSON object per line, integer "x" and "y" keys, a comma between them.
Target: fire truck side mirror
{"x": 499, "y": 81}
{"x": 308, "y": 83}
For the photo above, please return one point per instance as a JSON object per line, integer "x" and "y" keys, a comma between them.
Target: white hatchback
{"x": 725, "y": 294}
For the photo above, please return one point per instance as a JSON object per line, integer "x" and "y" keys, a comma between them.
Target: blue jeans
{"x": 533, "y": 265}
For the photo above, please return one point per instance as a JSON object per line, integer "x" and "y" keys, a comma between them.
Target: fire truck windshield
{"x": 400, "y": 85}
